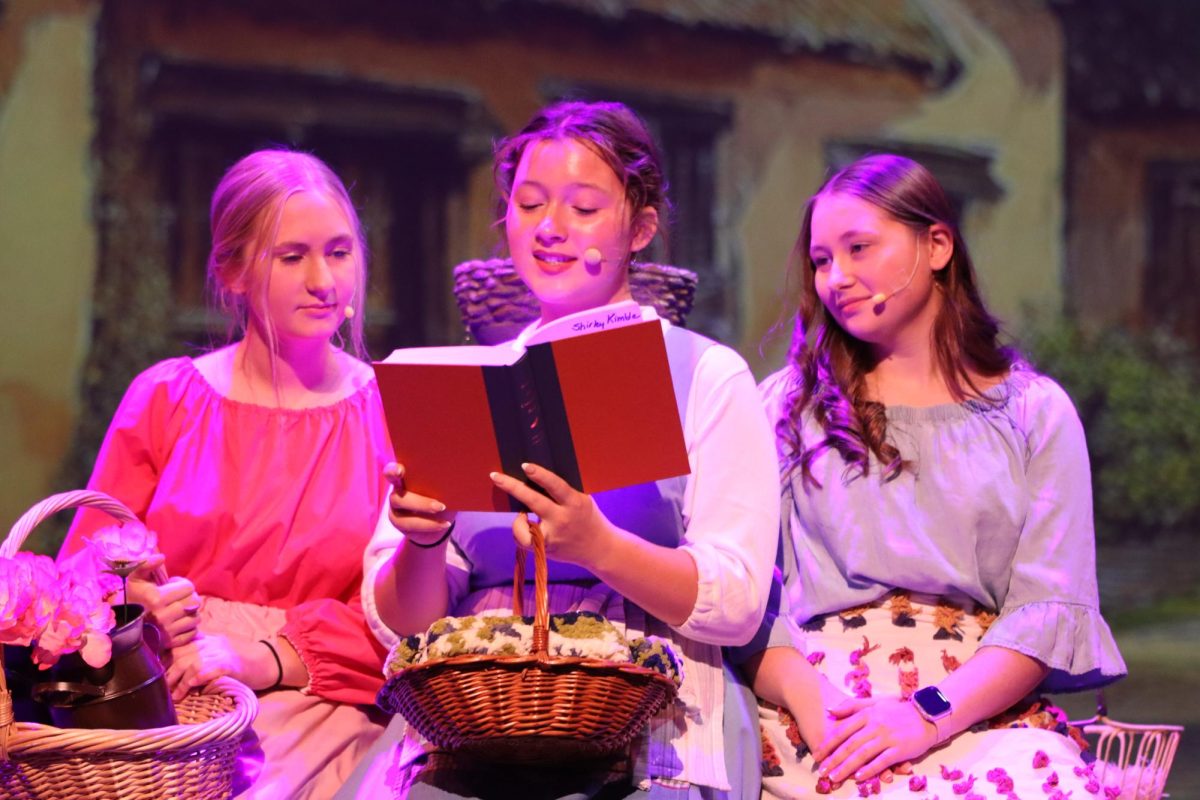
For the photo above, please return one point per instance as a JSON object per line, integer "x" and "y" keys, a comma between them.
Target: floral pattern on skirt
{"x": 894, "y": 646}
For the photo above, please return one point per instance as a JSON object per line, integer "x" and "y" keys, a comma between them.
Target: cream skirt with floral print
{"x": 893, "y": 647}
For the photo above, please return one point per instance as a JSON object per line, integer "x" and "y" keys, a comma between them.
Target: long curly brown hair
{"x": 830, "y": 366}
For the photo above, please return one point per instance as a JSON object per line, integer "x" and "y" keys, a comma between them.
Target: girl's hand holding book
{"x": 422, "y": 520}
{"x": 575, "y": 529}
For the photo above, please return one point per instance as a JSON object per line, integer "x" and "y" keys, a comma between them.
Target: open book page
{"x": 473, "y": 354}
{"x": 589, "y": 397}
{"x": 593, "y": 320}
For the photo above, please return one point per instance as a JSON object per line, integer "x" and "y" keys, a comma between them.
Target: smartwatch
{"x": 933, "y": 706}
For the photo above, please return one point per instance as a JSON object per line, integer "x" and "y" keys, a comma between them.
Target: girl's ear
{"x": 941, "y": 246}
{"x": 234, "y": 277}
{"x": 645, "y": 225}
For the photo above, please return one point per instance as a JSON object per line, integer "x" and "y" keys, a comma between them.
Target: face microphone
{"x": 592, "y": 257}
{"x": 879, "y": 298}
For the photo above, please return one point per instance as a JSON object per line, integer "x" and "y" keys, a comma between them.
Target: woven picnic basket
{"x": 1135, "y": 758}
{"x": 195, "y": 759}
{"x": 528, "y": 709}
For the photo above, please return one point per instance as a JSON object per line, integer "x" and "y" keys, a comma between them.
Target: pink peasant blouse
{"x": 257, "y": 505}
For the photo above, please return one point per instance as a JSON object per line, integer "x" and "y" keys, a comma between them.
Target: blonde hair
{"x": 247, "y": 206}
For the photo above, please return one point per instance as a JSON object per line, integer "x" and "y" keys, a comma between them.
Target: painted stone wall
{"x": 47, "y": 256}
{"x": 786, "y": 107}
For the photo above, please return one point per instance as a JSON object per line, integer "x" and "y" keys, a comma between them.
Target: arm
{"x": 408, "y": 584}
{"x": 870, "y": 735}
{"x": 1051, "y": 611}
{"x": 713, "y": 587}
{"x": 134, "y": 451}
{"x": 783, "y": 676}
{"x": 662, "y": 580}
{"x": 1049, "y": 623}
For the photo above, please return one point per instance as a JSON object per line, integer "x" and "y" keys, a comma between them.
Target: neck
{"x": 302, "y": 372}
{"x": 906, "y": 371}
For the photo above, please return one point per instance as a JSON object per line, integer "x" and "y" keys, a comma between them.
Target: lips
{"x": 849, "y": 306}
{"x": 553, "y": 263}
{"x": 323, "y": 308}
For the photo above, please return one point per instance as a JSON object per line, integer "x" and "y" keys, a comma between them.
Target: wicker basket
{"x": 531, "y": 709}
{"x": 1136, "y": 758}
{"x": 194, "y": 759}
{"x": 496, "y": 305}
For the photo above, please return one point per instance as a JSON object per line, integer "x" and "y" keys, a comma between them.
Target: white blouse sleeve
{"x": 731, "y": 504}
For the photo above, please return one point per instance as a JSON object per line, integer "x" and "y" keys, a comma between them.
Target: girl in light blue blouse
{"x": 939, "y": 554}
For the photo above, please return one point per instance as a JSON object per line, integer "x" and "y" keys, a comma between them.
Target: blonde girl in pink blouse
{"x": 260, "y": 466}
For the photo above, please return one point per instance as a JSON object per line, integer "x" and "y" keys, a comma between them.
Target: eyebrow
{"x": 578, "y": 185}
{"x": 341, "y": 238}
{"x": 851, "y": 234}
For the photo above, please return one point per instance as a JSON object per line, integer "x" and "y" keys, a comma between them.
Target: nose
{"x": 320, "y": 276}
{"x": 550, "y": 228}
{"x": 839, "y": 277}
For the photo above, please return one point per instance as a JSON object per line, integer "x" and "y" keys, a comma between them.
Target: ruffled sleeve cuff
{"x": 1072, "y": 639}
{"x": 385, "y": 635}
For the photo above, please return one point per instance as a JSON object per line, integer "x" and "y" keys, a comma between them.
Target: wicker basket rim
{"x": 534, "y": 660}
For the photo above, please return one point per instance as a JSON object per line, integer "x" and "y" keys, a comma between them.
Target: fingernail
{"x": 493, "y": 475}
{"x": 527, "y": 467}
{"x": 439, "y": 507}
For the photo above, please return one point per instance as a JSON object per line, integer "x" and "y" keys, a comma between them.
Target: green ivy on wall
{"x": 1139, "y": 398}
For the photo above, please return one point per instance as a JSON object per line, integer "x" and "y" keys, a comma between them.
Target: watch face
{"x": 932, "y": 702}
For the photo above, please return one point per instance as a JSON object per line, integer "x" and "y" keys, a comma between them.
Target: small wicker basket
{"x": 194, "y": 759}
{"x": 1135, "y": 758}
{"x": 530, "y": 709}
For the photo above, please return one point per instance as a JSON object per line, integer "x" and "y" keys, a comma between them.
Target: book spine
{"x": 555, "y": 422}
{"x": 517, "y": 420}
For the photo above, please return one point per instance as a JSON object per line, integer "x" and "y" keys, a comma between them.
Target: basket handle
{"x": 541, "y": 598}
{"x": 58, "y": 502}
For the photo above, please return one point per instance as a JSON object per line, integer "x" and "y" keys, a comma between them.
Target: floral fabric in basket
{"x": 578, "y": 634}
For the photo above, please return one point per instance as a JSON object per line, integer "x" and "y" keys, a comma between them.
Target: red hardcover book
{"x": 596, "y": 407}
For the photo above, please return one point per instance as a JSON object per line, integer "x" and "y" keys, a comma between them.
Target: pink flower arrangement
{"x": 64, "y": 608}
{"x": 56, "y": 610}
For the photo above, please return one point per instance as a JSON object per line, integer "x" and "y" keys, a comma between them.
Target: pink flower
{"x": 54, "y": 612}
{"x": 965, "y": 786}
{"x": 917, "y": 783}
{"x": 81, "y": 622}
{"x": 1040, "y": 759}
{"x": 123, "y": 544}
{"x": 18, "y": 624}
{"x": 950, "y": 774}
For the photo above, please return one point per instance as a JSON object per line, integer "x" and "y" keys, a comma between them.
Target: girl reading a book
{"x": 260, "y": 466}
{"x": 688, "y": 558}
{"x": 938, "y": 536}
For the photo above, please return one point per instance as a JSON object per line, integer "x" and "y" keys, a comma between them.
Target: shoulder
{"x": 774, "y": 389}
{"x": 1040, "y": 406}
{"x": 160, "y": 393}
{"x": 170, "y": 378}
{"x": 711, "y": 361}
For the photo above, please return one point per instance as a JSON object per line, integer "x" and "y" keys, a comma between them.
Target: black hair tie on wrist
{"x": 443, "y": 538}
{"x": 278, "y": 663}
